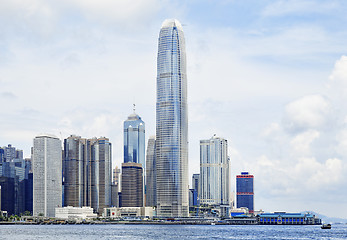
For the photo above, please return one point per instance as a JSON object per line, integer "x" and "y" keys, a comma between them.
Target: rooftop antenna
{"x": 134, "y": 107}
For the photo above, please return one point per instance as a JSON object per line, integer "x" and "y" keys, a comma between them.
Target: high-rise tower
{"x": 245, "y": 191}
{"x": 134, "y": 140}
{"x": 134, "y": 162}
{"x": 87, "y": 172}
{"x": 151, "y": 174}
{"x": 47, "y": 165}
{"x": 172, "y": 122}
{"x": 214, "y": 172}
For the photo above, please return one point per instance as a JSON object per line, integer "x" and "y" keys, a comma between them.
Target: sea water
{"x": 126, "y": 231}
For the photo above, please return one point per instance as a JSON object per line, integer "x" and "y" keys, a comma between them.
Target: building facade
{"x": 151, "y": 174}
{"x": 47, "y": 175}
{"x": 214, "y": 172}
{"x": 172, "y": 122}
{"x": 87, "y": 172}
{"x": 132, "y": 181}
{"x": 134, "y": 162}
{"x": 75, "y": 168}
{"x": 101, "y": 173}
{"x": 134, "y": 140}
{"x": 245, "y": 191}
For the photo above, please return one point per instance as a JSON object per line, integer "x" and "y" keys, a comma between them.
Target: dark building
{"x": 2, "y": 155}
{"x": 7, "y": 195}
{"x": 193, "y": 198}
{"x": 114, "y": 195}
{"x": 132, "y": 185}
{"x": 87, "y": 172}
{"x": 29, "y": 193}
{"x": 16, "y": 186}
{"x": 245, "y": 191}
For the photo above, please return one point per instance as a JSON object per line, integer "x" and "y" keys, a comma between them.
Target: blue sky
{"x": 269, "y": 76}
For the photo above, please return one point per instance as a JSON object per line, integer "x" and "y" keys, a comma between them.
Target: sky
{"x": 268, "y": 76}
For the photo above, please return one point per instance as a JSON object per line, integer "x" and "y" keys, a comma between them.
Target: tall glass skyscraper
{"x": 134, "y": 140}
{"x": 134, "y": 162}
{"x": 172, "y": 122}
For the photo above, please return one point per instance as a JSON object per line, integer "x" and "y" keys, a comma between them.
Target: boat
{"x": 326, "y": 226}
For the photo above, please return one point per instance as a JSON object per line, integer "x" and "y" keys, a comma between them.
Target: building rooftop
{"x": 172, "y": 23}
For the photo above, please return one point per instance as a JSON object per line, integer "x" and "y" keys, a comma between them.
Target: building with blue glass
{"x": 134, "y": 140}
{"x": 134, "y": 162}
{"x": 245, "y": 191}
{"x": 172, "y": 122}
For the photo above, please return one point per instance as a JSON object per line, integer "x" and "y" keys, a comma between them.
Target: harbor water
{"x": 128, "y": 231}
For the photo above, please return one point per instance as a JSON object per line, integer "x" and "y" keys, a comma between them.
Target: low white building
{"x": 144, "y": 212}
{"x": 75, "y": 213}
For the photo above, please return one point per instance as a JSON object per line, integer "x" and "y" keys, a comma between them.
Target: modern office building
{"x": 116, "y": 187}
{"x": 132, "y": 184}
{"x": 214, "y": 172}
{"x": 245, "y": 191}
{"x": 134, "y": 140}
{"x": 116, "y": 176}
{"x": 47, "y": 175}
{"x": 194, "y": 191}
{"x": 101, "y": 174}
{"x": 9, "y": 153}
{"x": 172, "y": 122}
{"x": 14, "y": 173}
{"x": 151, "y": 174}
{"x": 87, "y": 172}
{"x": 76, "y": 169}
{"x": 196, "y": 182}
{"x": 2, "y": 155}
{"x": 134, "y": 159}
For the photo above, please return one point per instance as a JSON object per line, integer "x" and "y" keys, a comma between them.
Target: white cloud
{"x": 307, "y": 112}
{"x": 338, "y": 78}
{"x": 120, "y": 12}
{"x": 301, "y": 143}
{"x": 282, "y": 7}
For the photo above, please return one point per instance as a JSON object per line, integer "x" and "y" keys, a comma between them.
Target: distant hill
{"x": 326, "y": 219}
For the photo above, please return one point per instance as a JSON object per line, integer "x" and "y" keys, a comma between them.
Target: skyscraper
{"x": 172, "y": 122}
{"x": 132, "y": 184}
{"x": 134, "y": 140}
{"x": 47, "y": 175}
{"x": 151, "y": 174}
{"x": 75, "y": 171}
{"x": 87, "y": 172}
{"x": 101, "y": 173}
{"x": 214, "y": 172}
{"x": 245, "y": 191}
{"x": 134, "y": 162}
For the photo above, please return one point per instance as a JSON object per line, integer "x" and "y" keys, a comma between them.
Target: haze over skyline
{"x": 268, "y": 76}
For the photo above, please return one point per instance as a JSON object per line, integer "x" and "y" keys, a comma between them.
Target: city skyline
{"x": 269, "y": 76}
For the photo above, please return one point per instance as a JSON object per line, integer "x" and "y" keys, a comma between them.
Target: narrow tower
{"x": 134, "y": 162}
{"x": 214, "y": 173}
{"x": 172, "y": 122}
